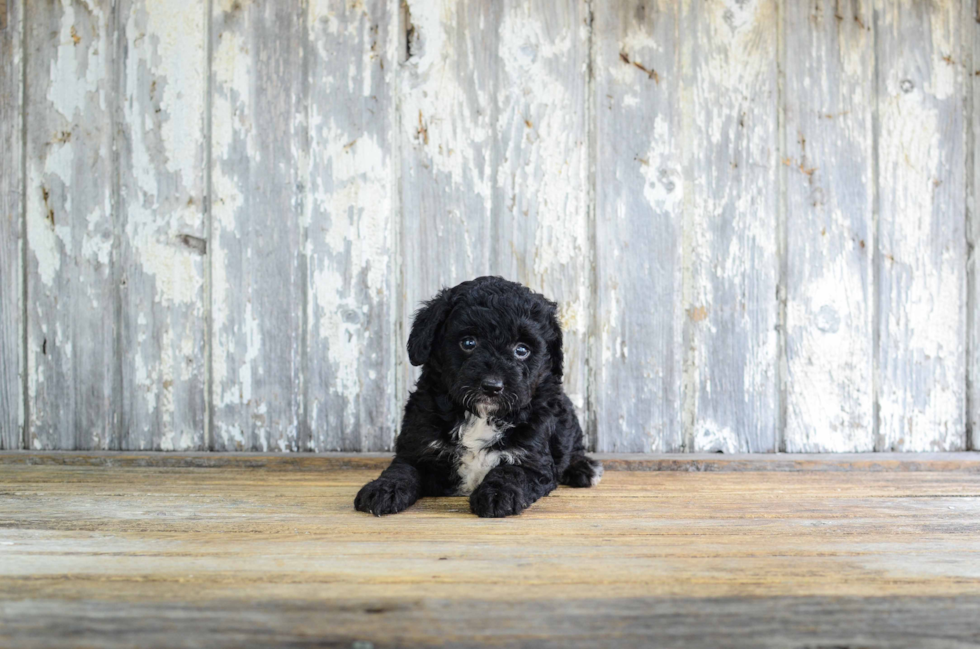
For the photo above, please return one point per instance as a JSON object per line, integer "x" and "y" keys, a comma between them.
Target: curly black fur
{"x": 488, "y": 416}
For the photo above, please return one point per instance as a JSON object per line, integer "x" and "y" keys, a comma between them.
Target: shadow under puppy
{"x": 489, "y": 417}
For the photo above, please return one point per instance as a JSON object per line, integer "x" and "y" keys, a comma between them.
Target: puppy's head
{"x": 490, "y": 342}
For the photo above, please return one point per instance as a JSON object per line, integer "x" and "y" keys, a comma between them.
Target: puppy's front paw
{"x": 381, "y": 497}
{"x": 496, "y": 499}
{"x": 582, "y": 472}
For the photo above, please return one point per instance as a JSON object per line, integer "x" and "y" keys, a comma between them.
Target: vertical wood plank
{"x": 11, "y": 226}
{"x": 921, "y": 262}
{"x": 257, "y": 279}
{"x": 640, "y": 194}
{"x": 163, "y": 59}
{"x": 541, "y": 235}
{"x": 972, "y": 18}
{"x": 732, "y": 202}
{"x": 448, "y": 120}
{"x": 72, "y": 373}
{"x": 350, "y": 222}
{"x": 829, "y": 105}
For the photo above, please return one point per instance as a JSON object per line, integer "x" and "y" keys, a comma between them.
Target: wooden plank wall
{"x": 218, "y": 217}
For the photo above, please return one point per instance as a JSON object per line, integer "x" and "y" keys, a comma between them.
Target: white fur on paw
{"x": 597, "y": 475}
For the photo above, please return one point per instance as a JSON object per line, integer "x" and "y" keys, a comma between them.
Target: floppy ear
{"x": 554, "y": 347}
{"x": 426, "y": 325}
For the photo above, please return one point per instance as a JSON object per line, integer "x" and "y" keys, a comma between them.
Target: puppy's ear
{"x": 426, "y": 325}
{"x": 555, "y": 345}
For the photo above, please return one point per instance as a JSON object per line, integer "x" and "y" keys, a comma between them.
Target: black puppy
{"x": 488, "y": 417}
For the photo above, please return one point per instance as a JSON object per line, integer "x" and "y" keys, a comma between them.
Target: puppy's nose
{"x": 492, "y": 385}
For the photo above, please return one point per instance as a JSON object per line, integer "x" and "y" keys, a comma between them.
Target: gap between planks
{"x": 690, "y": 462}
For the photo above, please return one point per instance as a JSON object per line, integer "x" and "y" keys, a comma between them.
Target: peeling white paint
{"x": 732, "y": 172}
{"x": 712, "y": 438}
{"x": 828, "y": 168}
{"x": 922, "y": 321}
{"x": 74, "y": 77}
{"x": 542, "y": 192}
{"x": 450, "y": 121}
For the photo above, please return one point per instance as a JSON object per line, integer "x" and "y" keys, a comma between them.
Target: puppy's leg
{"x": 397, "y": 489}
{"x": 508, "y": 489}
{"x": 582, "y": 471}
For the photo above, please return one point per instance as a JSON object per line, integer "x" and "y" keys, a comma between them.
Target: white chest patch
{"x": 474, "y": 459}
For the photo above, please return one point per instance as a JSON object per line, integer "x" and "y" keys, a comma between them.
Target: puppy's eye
{"x": 468, "y": 344}
{"x": 522, "y": 351}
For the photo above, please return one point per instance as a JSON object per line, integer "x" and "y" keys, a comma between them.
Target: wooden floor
{"x": 243, "y": 556}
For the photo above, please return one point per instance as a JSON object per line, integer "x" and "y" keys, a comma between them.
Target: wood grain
{"x": 829, "y": 158}
{"x": 11, "y": 227}
{"x": 257, "y": 280}
{"x": 261, "y": 557}
{"x": 972, "y": 46}
{"x": 875, "y": 623}
{"x": 162, "y": 233}
{"x": 731, "y": 191}
{"x": 687, "y": 462}
{"x": 921, "y": 239}
{"x": 72, "y": 358}
{"x": 640, "y": 197}
{"x": 540, "y": 201}
{"x": 448, "y": 125}
{"x": 350, "y": 220}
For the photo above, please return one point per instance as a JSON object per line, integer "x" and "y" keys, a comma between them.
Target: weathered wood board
{"x": 541, "y": 234}
{"x": 448, "y": 126}
{"x": 731, "y": 195}
{"x": 162, "y": 236}
{"x": 350, "y": 226}
{"x": 124, "y": 557}
{"x": 962, "y": 461}
{"x": 639, "y": 223}
{"x": 11, "y": 226}
{"x": 972, "y": 45}
{"x": 921, "y": 261}
{"x": 73, "y": 362}
{"x": 829, "y": 178}
{"x": 670, "y": 623}
{"x": 257, "y": 196}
